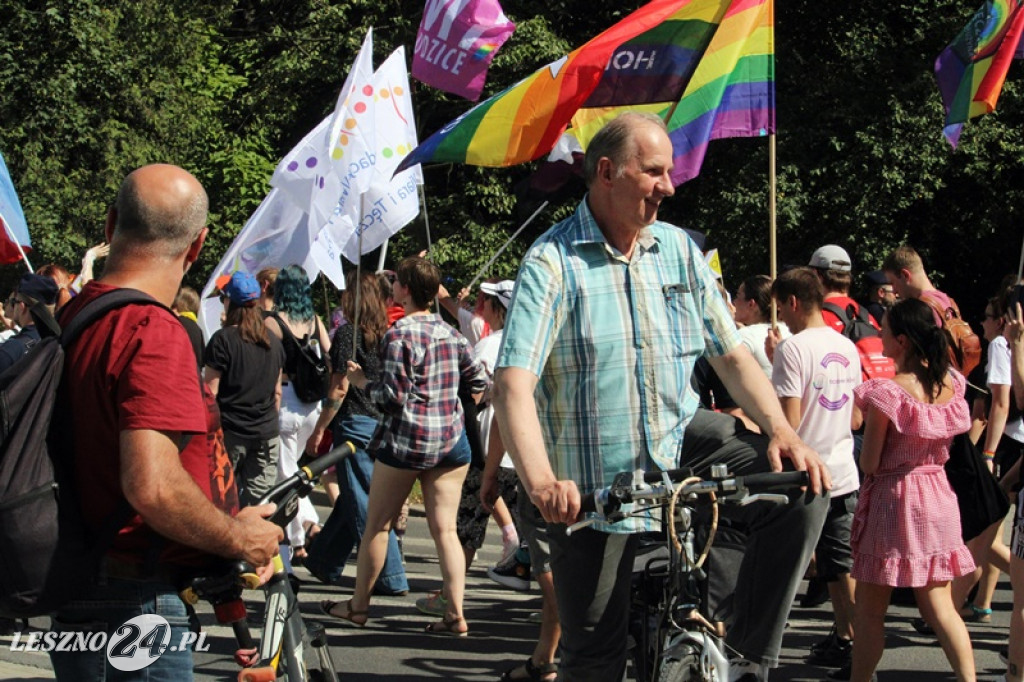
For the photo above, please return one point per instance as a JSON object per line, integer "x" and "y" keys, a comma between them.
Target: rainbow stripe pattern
{"x": 717, "y": 55}
{"x": 971, "y": 70}
{"x": 732, "y": 90}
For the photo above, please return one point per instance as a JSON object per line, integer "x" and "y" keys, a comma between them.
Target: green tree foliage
{"x": 224, "y": 88}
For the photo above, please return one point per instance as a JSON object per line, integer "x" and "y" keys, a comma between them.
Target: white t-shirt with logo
{"x": 821, "y": 368}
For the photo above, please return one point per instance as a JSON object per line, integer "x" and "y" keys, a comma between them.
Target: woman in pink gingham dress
{"x": 906, "y": 530}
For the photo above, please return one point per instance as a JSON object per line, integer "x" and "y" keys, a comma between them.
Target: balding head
{"x": 160, "y": 211}
{"x": 616, "y": 141}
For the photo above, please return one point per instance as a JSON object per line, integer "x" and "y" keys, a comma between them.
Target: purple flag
{"x": 456, "y": 42}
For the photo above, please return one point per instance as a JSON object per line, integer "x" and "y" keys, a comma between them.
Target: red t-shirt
{"x": 134, "y": 369}
{"x": 832, "y": 320}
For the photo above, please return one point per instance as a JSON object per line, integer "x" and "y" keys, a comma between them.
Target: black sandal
{"x": 534, "y": 673}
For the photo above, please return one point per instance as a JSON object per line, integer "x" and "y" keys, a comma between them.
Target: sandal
{"x": 327, "y": 608}
{"x": 972, "y": 614}
{"x": 534, "y": 673}
{"x": 447, "y": 627}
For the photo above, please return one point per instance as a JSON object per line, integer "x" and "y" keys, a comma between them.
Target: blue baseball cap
{"x": 38, "y": 288}
{"x": 242, "y": 288}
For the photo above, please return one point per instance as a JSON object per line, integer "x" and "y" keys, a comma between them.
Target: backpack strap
{"x": 944, "y": 312}
{"x": 95, "y": 309}
{"x": 842, "y": 314}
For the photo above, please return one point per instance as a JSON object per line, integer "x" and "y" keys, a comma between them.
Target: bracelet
{"x": 988, "y": 455}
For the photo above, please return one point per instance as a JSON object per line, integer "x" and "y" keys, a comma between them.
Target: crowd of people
{"x": 617, "y": 348}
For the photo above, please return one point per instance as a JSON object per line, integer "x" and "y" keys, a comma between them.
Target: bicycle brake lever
{"x": 580, "y": 525}
{"x": 763, "y": 497}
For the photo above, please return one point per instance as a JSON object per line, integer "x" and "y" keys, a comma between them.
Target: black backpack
{"x": 858, "y": 328}
{"x": 311, "y": 368}
{"x": 47, "y": 554}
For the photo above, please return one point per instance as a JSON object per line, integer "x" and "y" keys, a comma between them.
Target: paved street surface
{"x": 393, "y": 646}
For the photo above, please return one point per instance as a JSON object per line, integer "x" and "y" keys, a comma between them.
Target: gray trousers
{"x": 255, "y": 464}
{"x": 592, "y": 569}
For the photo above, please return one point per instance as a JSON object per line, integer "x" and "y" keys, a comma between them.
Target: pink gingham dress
{"x": 906, "y": 530}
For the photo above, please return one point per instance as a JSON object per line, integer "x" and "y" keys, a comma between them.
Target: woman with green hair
{"x": 293, "y": 312}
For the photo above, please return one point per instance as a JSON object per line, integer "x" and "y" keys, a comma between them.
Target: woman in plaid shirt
{"x": 421, "y": 436}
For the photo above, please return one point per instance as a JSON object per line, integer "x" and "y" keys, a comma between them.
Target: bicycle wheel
{"x": 675, "y": 670}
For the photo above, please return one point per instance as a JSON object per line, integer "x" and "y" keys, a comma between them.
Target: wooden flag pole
{"x": 772, "y": 251}
{"x": 1020, "y": 266}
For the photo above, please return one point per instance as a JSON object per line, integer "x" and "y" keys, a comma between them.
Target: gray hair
{"x": 615, "y": 141}
{"x": 160, "y": 230}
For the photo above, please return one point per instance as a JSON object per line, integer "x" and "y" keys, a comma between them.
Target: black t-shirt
{"x": 249, "y": 375}
{"x": 356, "y": 401}
{"x": 195, "y": 335}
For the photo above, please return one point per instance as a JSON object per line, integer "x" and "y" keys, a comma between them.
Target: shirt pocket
{"x": 682, "y": 329}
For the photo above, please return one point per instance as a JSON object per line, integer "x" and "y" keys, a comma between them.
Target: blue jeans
{"x": 330, "y": 548}
{"x": 106, "y": 609}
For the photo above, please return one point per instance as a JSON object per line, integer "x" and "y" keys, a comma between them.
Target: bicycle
{"x": 282, "y": 649}
{"x": 674, "y": 638}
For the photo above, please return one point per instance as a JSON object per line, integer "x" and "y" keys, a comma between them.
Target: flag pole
{"x": 1020, "y": 266}
{"x": 430, "y": 246}
{"x": 359, "y": 277}
{"x": 504, "y": 246}
{"x": 10, "y": 233}
{"x": 772, "y": 251}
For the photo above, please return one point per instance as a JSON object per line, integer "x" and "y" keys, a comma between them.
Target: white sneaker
{"x": 742, "y": 670}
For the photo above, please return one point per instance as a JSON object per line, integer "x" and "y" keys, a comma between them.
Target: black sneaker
{"x": 513, "y": 574}
{"x": 823, "y": 644}
{"x": 835, "y": 654}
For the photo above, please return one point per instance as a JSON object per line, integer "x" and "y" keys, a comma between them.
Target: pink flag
{"x": 456, "y": 43}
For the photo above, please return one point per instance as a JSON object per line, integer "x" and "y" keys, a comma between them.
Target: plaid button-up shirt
{"x": 423, "y": 361}
{"x": 613, "y": 342}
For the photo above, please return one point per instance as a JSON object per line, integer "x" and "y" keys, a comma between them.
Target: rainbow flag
{"x": 705, "y": 66}
{"x": 971, "y": 70}
{"x": 732, "y": 91}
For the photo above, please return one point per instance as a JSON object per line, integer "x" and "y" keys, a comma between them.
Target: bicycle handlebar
{"x": 308, "y": 473}
{"x": 623, "y": 492}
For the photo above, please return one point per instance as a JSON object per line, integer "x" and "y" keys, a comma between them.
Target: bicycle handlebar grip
{"x": 776, "y": 480}
{"x": 326, "y": 461}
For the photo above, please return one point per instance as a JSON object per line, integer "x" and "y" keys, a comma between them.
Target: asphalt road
{"x": 393, "y": 646}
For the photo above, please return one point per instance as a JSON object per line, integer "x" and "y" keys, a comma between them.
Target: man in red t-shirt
{"x": 834, "y": 268}
{"x": 142, "y": 433}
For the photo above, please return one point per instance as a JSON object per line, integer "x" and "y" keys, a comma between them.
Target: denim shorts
{"x": 458, "y": 456}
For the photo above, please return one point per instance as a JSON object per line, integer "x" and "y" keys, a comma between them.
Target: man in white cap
{"x": 835, "y": 270}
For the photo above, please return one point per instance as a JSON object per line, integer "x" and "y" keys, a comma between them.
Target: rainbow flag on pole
{"x": 720, "y": 52}
{"x": 972, "y": 69}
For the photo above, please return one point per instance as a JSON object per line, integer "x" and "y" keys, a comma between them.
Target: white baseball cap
{"x": 831, "y": 257}
{"x": 502, "y": 290}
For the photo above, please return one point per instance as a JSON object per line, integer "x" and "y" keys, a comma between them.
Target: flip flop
{"x": 327, "y": 608}
{"x": 447, "y": 628}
